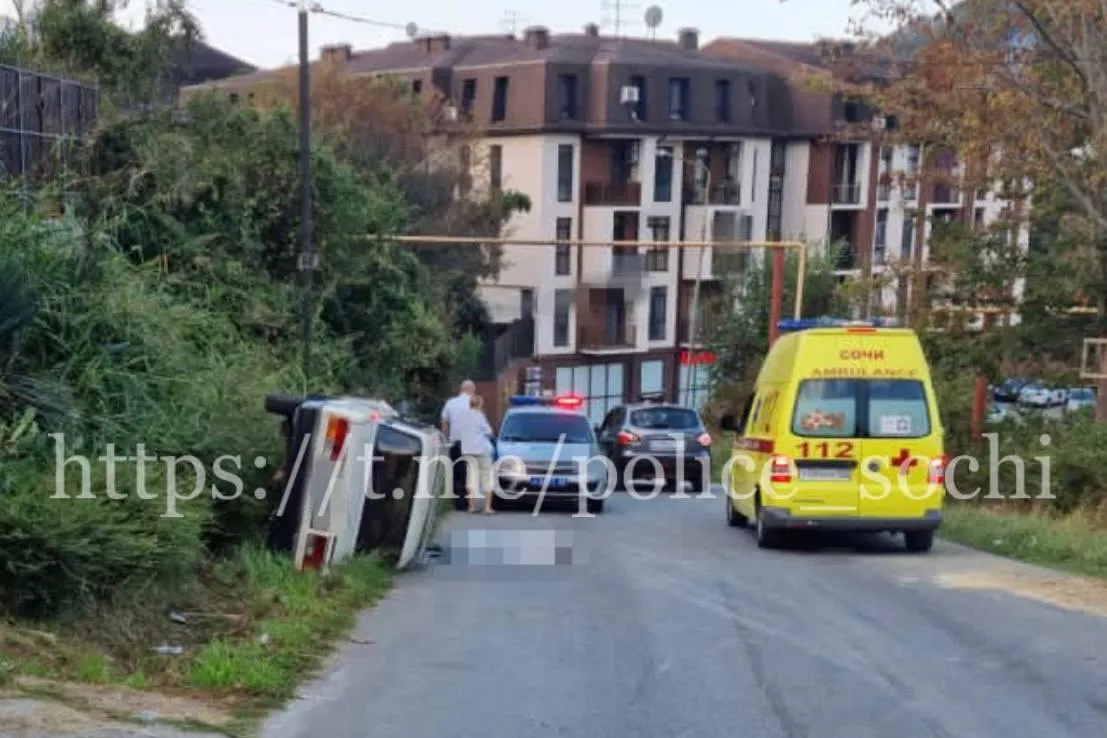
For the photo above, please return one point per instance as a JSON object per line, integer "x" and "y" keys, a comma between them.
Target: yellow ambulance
{"x": 842, "y": 432}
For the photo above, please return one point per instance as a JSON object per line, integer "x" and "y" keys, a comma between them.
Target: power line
{"x": 318, "y": 9}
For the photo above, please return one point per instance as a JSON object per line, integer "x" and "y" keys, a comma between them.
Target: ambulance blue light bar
{"x": 570, "y": 402}
{"x": 803, "y": 324}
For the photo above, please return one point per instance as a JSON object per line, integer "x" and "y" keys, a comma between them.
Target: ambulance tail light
{"x": 780, "y": 470}
{"x": 337, "y": 430}
{"x": 937, "y": 472}
{"x": 627, "y": 439}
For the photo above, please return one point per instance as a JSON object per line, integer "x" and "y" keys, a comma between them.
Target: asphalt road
{"x": 666, "y": 623}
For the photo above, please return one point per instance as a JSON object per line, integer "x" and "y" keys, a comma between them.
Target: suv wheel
{"x": 766, "y": 537}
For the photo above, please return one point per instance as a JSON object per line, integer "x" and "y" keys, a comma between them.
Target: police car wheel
{"x": 595, "y": 506}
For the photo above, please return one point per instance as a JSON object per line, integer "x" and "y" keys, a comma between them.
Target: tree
{"x": 381, "y": 129}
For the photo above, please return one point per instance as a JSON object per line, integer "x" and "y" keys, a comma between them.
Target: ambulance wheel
{"x": 919, "y": 541}
{"x": 766, "y": 537}
{"x": 734, "y": 518}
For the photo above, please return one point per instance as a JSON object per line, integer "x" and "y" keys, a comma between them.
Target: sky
{"x": 263, "y": 32}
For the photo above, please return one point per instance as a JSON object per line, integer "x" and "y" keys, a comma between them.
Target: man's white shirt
{"x": 453, "y": 412}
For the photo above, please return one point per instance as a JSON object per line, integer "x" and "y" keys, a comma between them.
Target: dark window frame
{"x": 663, "y": 192}
{"x": 680, "y": 94}
{"x": 568, "y": 97}
{"x": 468, "y": 95}
{"x": 657, "y": 324}
{"x": 723, "y": 101}
{"x": 565, "y": 174}
{"x": 563, "y": 299}
{"x": 563, "y": 263}
{"x": 496, "y": 167}
{"x": 500, "y": 88}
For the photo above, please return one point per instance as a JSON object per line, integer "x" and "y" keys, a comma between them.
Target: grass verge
{"x": 1073, "y": 543}
{"x": 249, "y": 632}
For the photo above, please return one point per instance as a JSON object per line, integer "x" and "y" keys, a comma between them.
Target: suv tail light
{"x": 705, "y": 439}
{"x": 780, "y": 469}
{"x": 626, "y": 439}
{"x": 337, "y": 428}
{"x": 937, "y": 472}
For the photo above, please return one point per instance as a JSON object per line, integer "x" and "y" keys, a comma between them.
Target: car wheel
{"x": 766, "y": 537}
{"x": 919, "y": 541}
{"x": 734, "y": 518}
{"x": 595, "y": 506}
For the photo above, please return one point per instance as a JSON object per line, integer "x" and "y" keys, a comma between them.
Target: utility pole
{"x": 308, "y": 261}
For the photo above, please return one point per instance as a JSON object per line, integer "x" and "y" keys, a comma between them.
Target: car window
{"x": 851, "y": 408}
{"x": 545, "y": 428}
{"x": 665, "y": 418}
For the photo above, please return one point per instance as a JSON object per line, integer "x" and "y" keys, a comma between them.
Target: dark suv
{"x": 672, "y": 435}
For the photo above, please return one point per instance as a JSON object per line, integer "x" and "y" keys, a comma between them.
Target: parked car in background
{"x": 999, "y": 413}
{"x": 1038, "y": 395}
{"x": 1008, "y": 390}
{"x": 1080, "y": 398}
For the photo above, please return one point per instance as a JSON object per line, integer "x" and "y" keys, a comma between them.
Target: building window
{"x": 601, "y": 386}
{"x": 907, "y": 238}
{"x": 751, "y": 89}
{"x": 641, "y": 109}
{"x": 465, "y": 181}
{"x": 880, "y": 236}
{"x": 695, "y": 384}
{"x": 753, "y": 177}
{"x": 234, "y": 98}
{"x": 565, "y": 173}
{"x": 499, "y": 99}
{"x": 657, "y": 258}
{"x": 722, "y": 100}
{"x": 496, "y": 166}
{"x": 678, "y": 98}
{"x": 562, "y": 301}
{"x": 567, "y": 96}
{"x": 658, "y": 306}
{"x": 562, "y": 263}
{"x": 651, "y": 377}
{"x": 663, "y": 174}
{"x": 468, "y": 95}
{"x": 416, "y": 87}
{"x": 978, "y": 218}
{"x": 886, "y": 158}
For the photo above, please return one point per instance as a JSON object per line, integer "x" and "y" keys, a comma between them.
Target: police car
{"x": 547, "y": 450}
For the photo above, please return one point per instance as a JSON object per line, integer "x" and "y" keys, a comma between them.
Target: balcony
{"x": 613, "y": 193}
{"x": 722, "y": 193}
{"x": 618, "y": 337}
{"x": 846, "y": 194}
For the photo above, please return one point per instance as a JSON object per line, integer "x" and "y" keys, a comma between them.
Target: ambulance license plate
{"x": 554, "y": 482}
{"x": 824, "y": 474}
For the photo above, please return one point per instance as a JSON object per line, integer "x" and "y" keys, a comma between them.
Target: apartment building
{"x": 879, "y": 201}
{"x": 622, "y": 139}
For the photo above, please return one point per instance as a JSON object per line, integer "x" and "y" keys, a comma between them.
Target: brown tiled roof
{"x": 468, "y": 51}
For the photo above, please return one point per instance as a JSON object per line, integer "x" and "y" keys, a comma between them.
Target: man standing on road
{"x": 451, "y": 413}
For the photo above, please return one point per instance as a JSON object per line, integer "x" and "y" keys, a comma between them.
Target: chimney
{"x": 591, "y": 30}
{"x": 688, "y": 38}
{"x": 436, "y": 42}
{"x": 537, "y": 37}
{"x": 336, "y": 53}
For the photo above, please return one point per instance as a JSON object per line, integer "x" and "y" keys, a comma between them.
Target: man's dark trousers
{"x": 461, "y": 492}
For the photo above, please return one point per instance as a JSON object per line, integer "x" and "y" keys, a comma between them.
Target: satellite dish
{"x": 653, "y": 18}
{"x": 411, "y": 30}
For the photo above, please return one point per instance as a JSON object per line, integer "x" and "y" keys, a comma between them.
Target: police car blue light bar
{"x": 803, "y": 324}
{"x": 569, "y": 401}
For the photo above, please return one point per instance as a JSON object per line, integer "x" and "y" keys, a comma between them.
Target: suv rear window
{"x": 665, "y": 418}
{"x": 861, "y": 408}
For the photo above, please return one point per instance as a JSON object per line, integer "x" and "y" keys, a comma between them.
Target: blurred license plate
{"x": 825, "y": 475}
{"x": 666, "y": 445}
{"x": 554, "y": 482}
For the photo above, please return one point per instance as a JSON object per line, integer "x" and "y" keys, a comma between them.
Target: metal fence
{"x": 43, "y": 118}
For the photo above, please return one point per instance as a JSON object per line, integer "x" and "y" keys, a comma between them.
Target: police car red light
{"x": 569, "y": 401}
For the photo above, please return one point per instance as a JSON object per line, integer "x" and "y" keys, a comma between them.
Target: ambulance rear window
{"x": 861, "y": 408}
